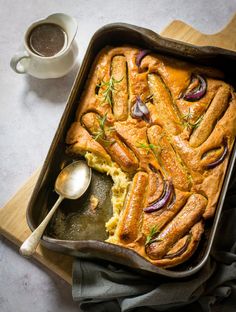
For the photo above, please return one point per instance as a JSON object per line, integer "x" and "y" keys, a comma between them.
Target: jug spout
{"x": 67, "y": 23}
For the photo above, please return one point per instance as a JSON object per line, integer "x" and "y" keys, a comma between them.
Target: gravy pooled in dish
{"x": 47, "y": 39}
{"x": 163, "y": 129}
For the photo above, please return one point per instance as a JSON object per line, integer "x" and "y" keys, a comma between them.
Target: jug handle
{"x": 15, "y": 60}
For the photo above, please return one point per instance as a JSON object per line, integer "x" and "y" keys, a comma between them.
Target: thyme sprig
{"x": 153, "y": 231}
{"x": 101, "y": 135}
{"x": 149, "y": 147}
{"x": 157, "y": 150}
{"x": 109, "y": 89}
{"x": 187, "y": 122}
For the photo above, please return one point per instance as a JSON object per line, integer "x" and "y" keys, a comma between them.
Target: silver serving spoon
{"x": 71, "y": 183}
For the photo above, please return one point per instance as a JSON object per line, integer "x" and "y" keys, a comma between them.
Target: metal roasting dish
{"x": 74, "y": 231}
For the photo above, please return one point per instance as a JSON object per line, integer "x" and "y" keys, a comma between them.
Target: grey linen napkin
{"x": 103, "y": 287}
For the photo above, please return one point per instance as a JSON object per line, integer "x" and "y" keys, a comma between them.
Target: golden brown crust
{"x": 169, "y": 152}
{"x": 80, "y": 142}
{"x": 118, "y": 151}
{"x": 134, "y": 134}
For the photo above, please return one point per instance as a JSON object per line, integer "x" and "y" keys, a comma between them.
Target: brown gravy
{"x": 47, "y": 39}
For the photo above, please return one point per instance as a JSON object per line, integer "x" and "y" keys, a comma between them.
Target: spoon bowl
{"x": 71, "y": 183}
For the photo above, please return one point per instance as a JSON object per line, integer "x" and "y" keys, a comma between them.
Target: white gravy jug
{"x": 54, "y": 66}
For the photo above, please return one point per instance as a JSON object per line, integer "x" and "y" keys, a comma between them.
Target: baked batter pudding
{"x": 163, "y": 129}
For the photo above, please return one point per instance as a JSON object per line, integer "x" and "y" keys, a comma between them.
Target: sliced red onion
{"x": 173, "y": 199}
{"x": 140, "y": 56}
{"x": 180, "y": 251}
{"x": 168, "y": 191}
{"x": 140, "y": 109}
{"x": 136, "y": 112}
{"x": 198, "y": 92}
{"x": 221, "y": 158}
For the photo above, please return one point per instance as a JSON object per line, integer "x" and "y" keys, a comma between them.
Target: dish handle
{"x": 16, "y": 64}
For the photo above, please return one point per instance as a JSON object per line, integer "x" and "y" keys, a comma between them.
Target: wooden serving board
{"x": 13, "y": 215}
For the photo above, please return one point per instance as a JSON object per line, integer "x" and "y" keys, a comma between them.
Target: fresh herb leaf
{"x": 102, "y": 121}
{"x": 188, "y": 115}
{"x": 157, "y": 150}
{"x": 150, "y": 146}
{"x": 109, "y": 87}
{"x": 101, "y": 135}
{"x": 97, "y": 136}
{"x": 187, "y": 122}
{"x": 197, "y": 123}
{"x": 153, "y": 231}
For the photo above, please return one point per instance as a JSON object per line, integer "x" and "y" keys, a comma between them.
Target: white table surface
{"x": 30, "y": 110}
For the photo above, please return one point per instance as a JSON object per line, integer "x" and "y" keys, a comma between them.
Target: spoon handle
{"x": 30, "y": 244}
